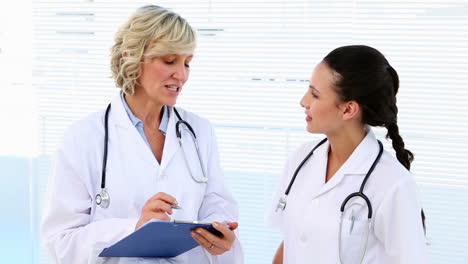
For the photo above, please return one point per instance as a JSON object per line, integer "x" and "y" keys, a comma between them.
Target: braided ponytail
{"x": 403, "y": 155}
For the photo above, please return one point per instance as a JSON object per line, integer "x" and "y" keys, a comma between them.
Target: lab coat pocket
{"x": 353, "y": 240}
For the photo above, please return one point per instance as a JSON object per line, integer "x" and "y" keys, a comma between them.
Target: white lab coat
{"x": 75, "y": 229}
{"x": 311, "y": 221}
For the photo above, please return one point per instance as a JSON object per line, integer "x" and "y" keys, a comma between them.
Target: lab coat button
{"x": 315, "y": 201}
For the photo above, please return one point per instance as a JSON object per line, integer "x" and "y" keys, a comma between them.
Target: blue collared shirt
{"x": 139, "y": 124}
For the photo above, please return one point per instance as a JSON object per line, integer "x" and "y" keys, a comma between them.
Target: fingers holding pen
{"x": 163, "y": 202}
{"x": 165, "y": 198}
{"x": 158, "y": 207}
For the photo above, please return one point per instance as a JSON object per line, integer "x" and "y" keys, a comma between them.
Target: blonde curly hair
{"x": 150, "y": 32}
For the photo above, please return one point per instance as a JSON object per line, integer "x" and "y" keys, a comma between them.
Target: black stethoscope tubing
{"x": 360, "y": 193}
{"x": 302, "y": 164}
{"x": 106, "y": 141}
{"x": 363, "y": 184}
{"x": 102, "y": 198}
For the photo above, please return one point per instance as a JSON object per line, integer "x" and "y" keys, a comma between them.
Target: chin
{"x": 170, "y": 102}
{"x": 313, "y": 130}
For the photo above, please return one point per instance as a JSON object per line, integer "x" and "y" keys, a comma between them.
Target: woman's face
{"x": 321, "y": 102}
{"x": 163, "y": 77}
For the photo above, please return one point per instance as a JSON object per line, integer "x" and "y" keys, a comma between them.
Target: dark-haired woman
{"x": 350, "y": 200}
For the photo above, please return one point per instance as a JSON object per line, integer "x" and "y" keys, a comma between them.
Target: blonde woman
{"x": 123, "y": 166}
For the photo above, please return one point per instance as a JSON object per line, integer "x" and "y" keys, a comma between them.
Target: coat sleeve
{"x": 66, "y": 229}
{"x": 219, "y": 204}
{"x": 398, "y": 225}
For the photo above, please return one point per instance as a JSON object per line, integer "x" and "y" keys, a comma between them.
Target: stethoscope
{"x": 283, "y": 200}
{"x": 103, "y": 198}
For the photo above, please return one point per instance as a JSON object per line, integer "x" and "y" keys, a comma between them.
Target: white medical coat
{"x": 311, "y": 221}
{"x": 75, "y": 229}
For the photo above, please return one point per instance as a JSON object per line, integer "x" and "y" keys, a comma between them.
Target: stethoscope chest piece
{"x": 103, "y": 198}
{"x": 281, "y": 203}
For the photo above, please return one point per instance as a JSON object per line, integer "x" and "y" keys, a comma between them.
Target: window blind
{"x": 252, "y": 66}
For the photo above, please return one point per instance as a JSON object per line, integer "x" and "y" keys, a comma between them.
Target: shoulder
{"x": 397, "y": 202}
{"x": 197, "y": 121}
{"x": 304, "y": 149}
{"x": 295, "y": 157}
{"x": 392, "y": 181}
{"x": 391, "y": 171}
{"x": 204, "y": 130}
{"x": 86, "y": 131}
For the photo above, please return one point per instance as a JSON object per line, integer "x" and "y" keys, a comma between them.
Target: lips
{"x": 173, "y": 88}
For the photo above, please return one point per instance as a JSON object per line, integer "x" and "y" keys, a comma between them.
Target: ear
{"x": 350, "y": 110}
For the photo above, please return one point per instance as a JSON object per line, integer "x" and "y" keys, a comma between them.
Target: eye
{"x": 169, "y": 62}
{"x": 187, "y": 65}
{"x": 312, "y": 92}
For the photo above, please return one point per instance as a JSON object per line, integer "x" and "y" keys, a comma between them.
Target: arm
{"x": 219, "y": 205}
{"x": 398, "y": 224}
{"x": 278, "y": 259}
{"x": 66, "y": 230}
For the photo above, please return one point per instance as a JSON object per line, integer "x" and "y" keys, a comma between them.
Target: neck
{"x": 344, "y": 142}
{"x": 145, "y": 109}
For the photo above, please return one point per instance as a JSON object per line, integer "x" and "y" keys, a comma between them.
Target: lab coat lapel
{"x": 171, "y": 144}
{"x": 363, "y": 156}
{"x": 320, "y": 158}
{"x": 358, "y": 163}
{"x": 322, "y": 169}
{"x": 119, "y": 118}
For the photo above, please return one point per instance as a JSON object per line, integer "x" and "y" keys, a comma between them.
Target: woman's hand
{"x": 159, "y": 207}
{"x": 214, "y": 244}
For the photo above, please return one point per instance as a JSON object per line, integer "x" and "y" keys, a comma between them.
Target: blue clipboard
{"x": 158, "y": 239}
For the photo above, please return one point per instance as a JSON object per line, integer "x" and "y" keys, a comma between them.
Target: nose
{"x": 180, "y": 73}
{"x": 304, "y": 103}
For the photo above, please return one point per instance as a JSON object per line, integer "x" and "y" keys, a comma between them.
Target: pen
{"x": 175, "y": 206}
